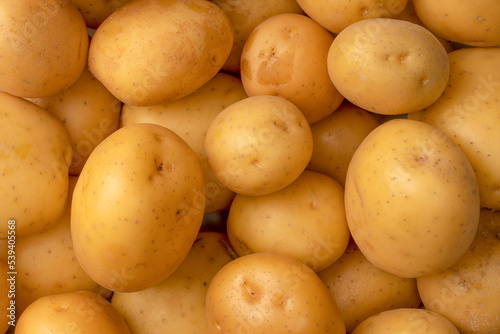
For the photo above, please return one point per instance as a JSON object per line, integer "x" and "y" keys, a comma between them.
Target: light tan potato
{"x": 467, "y": 293}
{"x": 150, "y": 52}
{"x": 388, "y": 66}
{"x": 468, "y": 113}
{"x": 163, "y": 309}
{"x": 142, "y": 186}
{"x": 43, "y": 44}
{"x": 35, "y": 155}
{"x": 8, "y": 312}
{"x": 190, "y": 117}
{"x": 362, "y": 290}
{"x": 94, "y": 12}
{"x": 336, "y": 15}
{"x": 258, "y": 145}
{"x": 412, "y": 199}
{"x": 74, "y": 312}
{"x": 245, "y": 16}
{"x": 473, "y": 23}
{"x": 285, "y": 55}
{"x": 89, "y": 113}
{"x": 305, "y": 220}
{"x": 270, "y": 293}
{"x": 336, "y": 138}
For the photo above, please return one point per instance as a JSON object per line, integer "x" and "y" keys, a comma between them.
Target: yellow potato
{"x": 468, "y": 113}
{"x": 305, "y": 220}
{"x": 362, "y": 290}
{"x": 94, "y": 12}
{"x": 337, "y": 137}
{"x": 89, "y": 113}
{"x": 467, "y": 293}
{"x": 150, "y": 52}
{"x": 137, "y": 207}
{"x": 412, "y": 199}
{"x": 82, "y": 312}
{"x": 388, "y": 66}
{"x": 8, "y": 313}
{"x": 35, "y": 155}
{"x": 190, "y": 117}
{"x": 270, "y": 293}
{"x": 43, "y": 44}
{"x": 474, "y": 23}
{"x": 177, "y": 305}
{"x": 285, "y": 55}
{"x": 258, "y": 145}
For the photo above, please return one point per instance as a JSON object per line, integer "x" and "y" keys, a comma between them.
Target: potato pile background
{"x": 232, "y": 166}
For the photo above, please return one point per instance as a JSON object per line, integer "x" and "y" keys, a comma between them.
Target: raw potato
{"x": 35, "y": 155}
{"x": 270, "y": 293}
{"x": 190, "y": 117}
{"x": 258, "y": 145}
{"x": 7, "y": 301}
{"x": 150, "y": 52}
{"x": 44, "y": 46}
{"x": 388, "y": 66}
{"x": 468, "y": 113}
{"x": 137, "y": 207}
{"x": 177, "y": 305}
{"x": 94, "y": 12}
{"x": 468, "y": 292}
{"x": 305, "y": 220}
{"x": 82, "y": 312}
{"x": 285, "y": 55}
{"x": 412, "y": 199}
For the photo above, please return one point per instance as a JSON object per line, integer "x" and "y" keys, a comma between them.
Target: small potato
{"x": 285, "y": 55}
{"x": 270, "y": 293}
{"x": 388, "y": 66}
{"x": 8, "y": 306}
{"x": 305, "y": 220}
{"x": 74, "y": 312}
{"x": 150, "y": 52}
{"x": 258, "y": 145}
{"x": 94, "y": 12}
{"x": 44, "y": 45}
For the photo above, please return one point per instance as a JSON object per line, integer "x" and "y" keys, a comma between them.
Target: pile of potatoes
{"x": 232, "y": 166}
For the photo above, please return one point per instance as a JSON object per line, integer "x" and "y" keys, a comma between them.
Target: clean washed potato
{"x": 412, "y": 199}
{"x": 150, "y": 52}
{"x": 7, "y": 303}
{"x": 388, "y": 66}
{"x": 35, "y": 155}
{"x": 137, "y": 207}
{"x": 94, "y": 12}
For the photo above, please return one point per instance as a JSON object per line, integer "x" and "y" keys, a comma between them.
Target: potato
{"x": 94, "y": 12}
{"x": 35, "y": 155}
{"x": 7, "y": 299}
{"x": 412, "y": 199}
{"x": 406, "y": 320}
{"x": 467, "y": 293}
{"x": 177, "y": 305}
{"x": 285, "y": 55}
{"x": 190, "y": 117}
{"x": 258, "y": 145}
{"x": 362, "y": 290}
{"x": 142, "y": 186}
{"x": 468, "y": 113}
{"x": 150, "y": 52}
{"x": 336, "y": 15}
{"x": 81, "y": 311}
{"x": 44, "y": 46}
{"x": 89, "y": 113}
{"x": 388, "y": 66}
{"x": 336, "y": 138}
{"x": 473, "y": 23}
{"x": 305, "y": 220}
{"x": 270, "y": 293}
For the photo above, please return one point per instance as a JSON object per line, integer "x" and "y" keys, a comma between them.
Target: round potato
{"x": 305, "y": 220}
{"x": 142, "y": 186}
{"x": 373, "y": 57}
{"x": 43, "y": 44}
{"x": 35, "y": 155}
{"x": 258, "y": 145}
{"x": 94, "y": 12}
{"x": 150, "y": 52}
{"x": 8, "y": 306}
{"x": 270, "y": 293}
{"x": 412, "y": 199}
